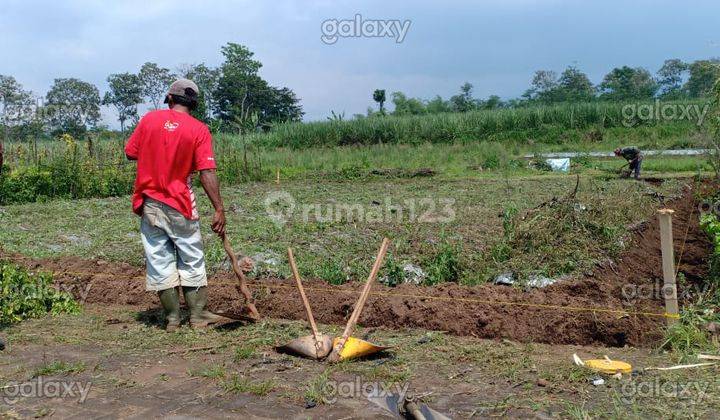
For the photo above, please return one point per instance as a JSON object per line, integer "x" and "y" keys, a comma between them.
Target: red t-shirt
{"x": 169, "y": 146}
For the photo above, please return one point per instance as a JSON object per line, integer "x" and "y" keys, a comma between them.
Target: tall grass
{"x": 449, "y": 143}
{"x": 544, "y": 122}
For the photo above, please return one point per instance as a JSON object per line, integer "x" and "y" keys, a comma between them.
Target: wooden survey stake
{"x": 668, "y": 264}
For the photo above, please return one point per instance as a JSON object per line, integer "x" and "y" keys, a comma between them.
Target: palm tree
{"x": 379, "y": 97}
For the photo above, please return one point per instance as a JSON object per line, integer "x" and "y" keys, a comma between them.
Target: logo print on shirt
{"x": 171, "y": 126}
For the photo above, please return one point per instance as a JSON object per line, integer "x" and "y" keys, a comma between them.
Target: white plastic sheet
{"x": 559, "y": 165}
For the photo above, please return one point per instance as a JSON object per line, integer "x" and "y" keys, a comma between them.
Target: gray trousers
{"x": 173, "y": 248}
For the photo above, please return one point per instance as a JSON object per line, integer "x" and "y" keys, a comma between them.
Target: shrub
{"x": 332, "y": 272}
{"x": 28, "y": 295}
{"x": 394, "y": 274}
{"x": 445, "y": 265}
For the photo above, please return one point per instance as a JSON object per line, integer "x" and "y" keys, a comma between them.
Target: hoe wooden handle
{"x": 242, "y": 286}
{"x": 301, "y": 289}
{"x": 335, "y": 355}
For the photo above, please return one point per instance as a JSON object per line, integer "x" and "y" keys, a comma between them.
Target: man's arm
{"x": 211, "y": 185}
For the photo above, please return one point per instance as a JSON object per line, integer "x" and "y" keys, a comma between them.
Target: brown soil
{"x": 558, "y": 314}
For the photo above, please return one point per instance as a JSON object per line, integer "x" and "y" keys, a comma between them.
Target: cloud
{"x": 494, "y": 44}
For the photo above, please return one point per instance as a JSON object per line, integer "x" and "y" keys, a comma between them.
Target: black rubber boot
{"x": 200, "y": 317}
{"x": 170, "y": 300}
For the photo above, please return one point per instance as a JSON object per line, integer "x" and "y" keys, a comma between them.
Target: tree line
{"x": 675, "y": 80}
{"x": 232, "y": 96}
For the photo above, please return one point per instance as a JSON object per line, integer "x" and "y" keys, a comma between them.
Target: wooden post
{"x": 669, "y": 289}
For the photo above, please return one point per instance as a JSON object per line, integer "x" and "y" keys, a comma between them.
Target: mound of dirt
{"x": 613, "y": 305}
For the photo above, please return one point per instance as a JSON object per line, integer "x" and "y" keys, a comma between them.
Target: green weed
{"x": 243, "y": 352}
{"x": 316, "y": 390}
{"x": 445, "y": 265}
{"x": 241, "y": 385}
{"x": 393, "y": 273}
{"x": 30, "y": 295}
{"x": 210, "y": 372}
{"x": 332, "y": 272}
{"x": 59, "y": 368}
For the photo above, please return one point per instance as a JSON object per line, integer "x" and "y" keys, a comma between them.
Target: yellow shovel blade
{"x": 355, "y": 347}
{"x": 610, "y": 367}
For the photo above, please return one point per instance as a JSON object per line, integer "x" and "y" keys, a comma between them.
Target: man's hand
{"x": 218, "y": 222}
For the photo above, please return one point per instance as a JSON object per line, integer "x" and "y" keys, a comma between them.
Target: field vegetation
{"x": 451, "y": 145}
{"x": 482, "y": 236}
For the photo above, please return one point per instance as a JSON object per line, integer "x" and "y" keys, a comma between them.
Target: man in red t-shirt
{"x": 169, "y": 145}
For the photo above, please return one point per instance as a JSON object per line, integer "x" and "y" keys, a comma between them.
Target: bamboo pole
{"x": 668, "y": 264}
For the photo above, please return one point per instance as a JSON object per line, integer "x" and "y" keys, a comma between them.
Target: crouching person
{"x": 634, "y": 158}
{"x": 169, "y": 146}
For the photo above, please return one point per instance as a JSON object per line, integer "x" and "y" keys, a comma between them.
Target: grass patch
{"x": 445, "y": 265}
{"x": 317, "y": 390}
{"x": 241, "y": 385}
{"x": 59, "y": 368}
{"x": 494, "y": 367}
{"x": 464, "y": 249}
{"x": 210, "y": 372}
{"x": 576, "y": 411}
{"x": 688, "y": 337}
{"x": 243, "y": 352}
{"x": 566, "y": 234}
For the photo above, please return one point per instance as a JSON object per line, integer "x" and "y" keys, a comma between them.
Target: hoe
{"x": 315, "y": 346}
{"x": 242, "y": 284}
{"x": 347, "y": 347}
{"x": 318, "y": 346}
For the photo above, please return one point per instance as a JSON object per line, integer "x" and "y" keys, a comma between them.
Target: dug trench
{"x": 618, "y": 303}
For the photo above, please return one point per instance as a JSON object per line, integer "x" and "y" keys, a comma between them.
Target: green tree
{"x": 241, "y": 92}
{"x": 379, "y": 97}
{"x": 574, "y": 86}
{"x": 283, "y": 106}
{"x": 126, "y": 92}
{"x": 72, "y": 106}
{"x": 438, "y": 105}
{"x": 713, "y": 140}
{"x": 15, "y": 106}
{"x": 703, "y": 74}
{"x": 464, "y": 101}
{"x": 543, "y": 87}
{"x": 627, "y": 83}
{"x": 407, "y": 106}
{"x": 670, "y": 78}
{"x": 493, "y": 102}
{"x": 207, "y": 80}
{"x": 155, "y": 81}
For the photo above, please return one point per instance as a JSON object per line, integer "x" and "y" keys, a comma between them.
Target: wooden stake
{"x": 277, "y": 176}
{"x": 669, "y": 289}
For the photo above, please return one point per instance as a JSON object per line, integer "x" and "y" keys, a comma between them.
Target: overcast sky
{"x": 494, "y": 44}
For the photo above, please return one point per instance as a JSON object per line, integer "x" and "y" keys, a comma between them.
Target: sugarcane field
{"x": 333, "y": 210}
